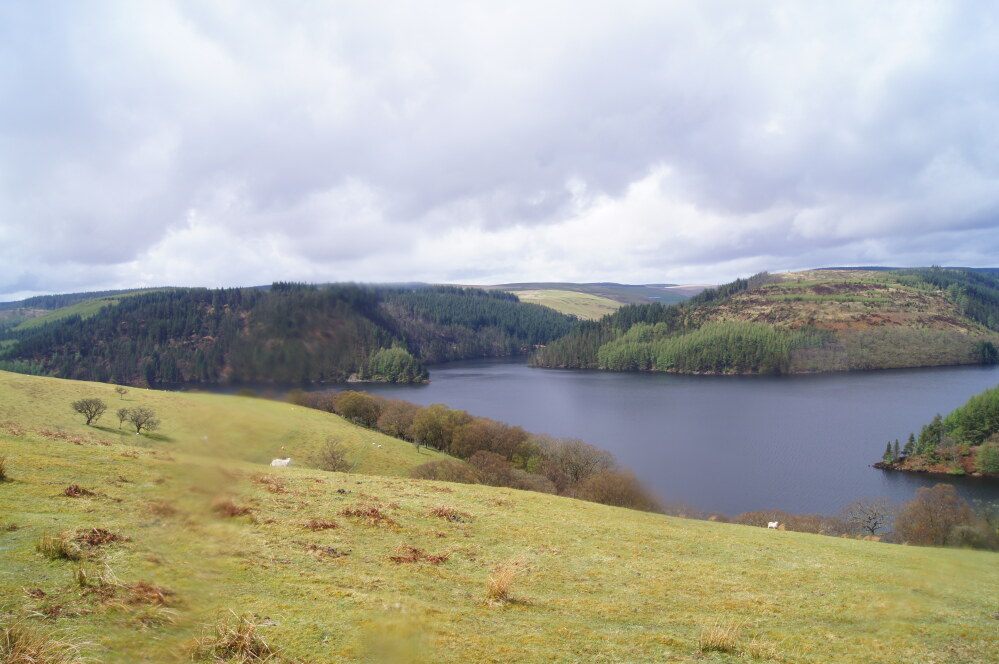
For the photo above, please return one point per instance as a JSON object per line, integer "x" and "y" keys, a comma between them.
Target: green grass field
{"x": 582, "y": 305}
{"x": 337, "y": 567}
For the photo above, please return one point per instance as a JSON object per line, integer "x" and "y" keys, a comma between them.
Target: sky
{"x": 237, "y": 143}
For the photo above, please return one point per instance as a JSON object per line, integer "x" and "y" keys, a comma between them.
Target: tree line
{"x": 489, "y": 452}
{"x": 290, "y": 333}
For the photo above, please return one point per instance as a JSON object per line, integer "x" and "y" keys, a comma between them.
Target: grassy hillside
{"x": 245, "y": 428}
{"x": 343, "y": 568}
{"x": 817, "y": 320}
{"x": 580, "y": 305}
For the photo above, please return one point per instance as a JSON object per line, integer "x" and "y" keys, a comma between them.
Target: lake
{"x": 725, "y": 443}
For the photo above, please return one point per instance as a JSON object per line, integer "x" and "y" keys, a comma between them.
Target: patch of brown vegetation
{"x": 324, "y": 551}
{"x": 12, "y": 429}
{"x": 77, "y": 491}
{"x": 143, "y": 592}
{"x": 162, "y": 508}
{"x": 271, "y": 483}
{"x": 227, "y": 507}
{"x": 100, "y": 537}
{"x": 321, "y": 524}
{"x": 412, "y": 554}
{"x": 449, "y": 514}
{"x": 372, "y": 514}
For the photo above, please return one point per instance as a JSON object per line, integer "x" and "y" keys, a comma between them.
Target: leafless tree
{"x": 869, "y": 515}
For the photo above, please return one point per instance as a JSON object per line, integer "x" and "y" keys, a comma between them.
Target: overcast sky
{"x": 237, "y": 143}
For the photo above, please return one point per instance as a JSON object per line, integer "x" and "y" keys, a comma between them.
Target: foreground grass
{"x": 330, "y": 567}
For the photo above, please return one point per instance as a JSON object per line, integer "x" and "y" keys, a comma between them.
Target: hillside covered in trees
{"x": 289, "y": 333}
{"x": 818, "y": 320}
{"x": 966, "y": 441}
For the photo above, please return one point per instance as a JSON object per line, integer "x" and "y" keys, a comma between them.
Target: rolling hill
{"x": 593, "y": 301}
{"x": 291, "y": 333}
{"x": 135, "y": 548}
{"x": 818, "y": 320}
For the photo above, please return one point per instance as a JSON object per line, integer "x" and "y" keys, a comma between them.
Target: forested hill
{"x": 818, "y": 320}
{"x": 288, "y": 333}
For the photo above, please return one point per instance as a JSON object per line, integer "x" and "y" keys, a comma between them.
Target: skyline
{"x": 237, "y": 144}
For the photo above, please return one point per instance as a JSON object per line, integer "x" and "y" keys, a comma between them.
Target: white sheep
{"x": 281, "y": 462}
{"x": 772, "y": 524}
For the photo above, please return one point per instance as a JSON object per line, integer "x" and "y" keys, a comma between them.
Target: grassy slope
{"x": 245, "y": 428}
{"x": 596, "y": 583}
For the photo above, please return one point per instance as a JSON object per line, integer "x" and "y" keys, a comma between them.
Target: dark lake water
{"x": 727, "y": 443}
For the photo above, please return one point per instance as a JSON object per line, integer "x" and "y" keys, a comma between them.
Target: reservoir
{"x": 803, "y": 443}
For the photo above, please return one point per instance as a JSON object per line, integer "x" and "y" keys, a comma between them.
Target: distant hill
{"x": 288, "y": 333}
{"x": 594, "y": 300}
{"x": 817, "y": 320}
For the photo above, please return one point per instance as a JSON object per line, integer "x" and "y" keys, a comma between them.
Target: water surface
{"x": 726, "y": 443}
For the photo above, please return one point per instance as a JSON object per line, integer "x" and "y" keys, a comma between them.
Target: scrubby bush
{"x": 619, "y": 488}
{"x": 332, "y": 457}
{"x": 929, "y": 518}
{"x": 976, "y": 535}
{"x": 4, "y": 476}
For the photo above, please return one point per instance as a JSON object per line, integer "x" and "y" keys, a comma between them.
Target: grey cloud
{"x": 127, "y": 118}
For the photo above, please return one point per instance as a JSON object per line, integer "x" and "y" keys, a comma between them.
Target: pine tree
{"x": 894, "y": 454}
{"x": 910, "y": 445}
{"x": 887, "y": 455}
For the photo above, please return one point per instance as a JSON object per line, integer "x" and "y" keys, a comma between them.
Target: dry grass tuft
{"x": 77, "y": 491}
{"x": 500, "y": 582}
{"x": 720, "y": 638}
{"x": 233, "y": 638}
{"x": 4, "y": 469}
{"x": 60, "y": 547}
{"x": 766, "y": 650}
{"x": 227, "y": 507}
{"x": 321, "y": 524}
{"x": 20, "y": 644}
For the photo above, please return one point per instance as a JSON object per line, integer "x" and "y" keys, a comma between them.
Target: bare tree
{"x": 869, "y": 515}
{"x": 122, "y": 391}
{"x": 92, "y": 409}
{"x": 122, "y": 414}
{"x": 143, "y": 418}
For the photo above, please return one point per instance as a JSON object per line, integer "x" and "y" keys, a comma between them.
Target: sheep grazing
{"x": 772, "y": 524}
{"x": 281, "y": 462}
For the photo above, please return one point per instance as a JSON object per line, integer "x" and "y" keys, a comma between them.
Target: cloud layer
{"x": 189, "y": 143}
